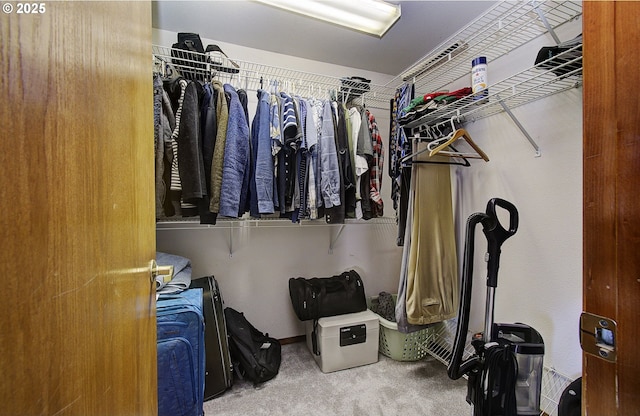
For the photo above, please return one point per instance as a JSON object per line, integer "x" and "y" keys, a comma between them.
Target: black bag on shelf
{"x": 562, "y": 59}
{"x": 194, "y": 62}
{"x": 327, "y": 296}
{"x": 188, "y": 56}
{"x": 255, "y": 356}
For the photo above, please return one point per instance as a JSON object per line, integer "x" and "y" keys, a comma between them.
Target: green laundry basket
{"x": 395, "y": 344}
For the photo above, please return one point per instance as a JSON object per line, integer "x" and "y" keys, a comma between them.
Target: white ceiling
{"x": 422, "y": 27}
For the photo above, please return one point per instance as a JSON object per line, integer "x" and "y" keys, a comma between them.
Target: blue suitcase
{"x": 181, "y": 354}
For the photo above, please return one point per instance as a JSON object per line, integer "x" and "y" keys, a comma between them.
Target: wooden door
{"x": 76, "y": 196}
{"x": 612, "y": 200}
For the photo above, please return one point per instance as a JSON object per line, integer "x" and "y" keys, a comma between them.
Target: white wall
{"x": 254, "y": 279}
{"x": 540, "y": 280}
{"x": 540, "y": 276}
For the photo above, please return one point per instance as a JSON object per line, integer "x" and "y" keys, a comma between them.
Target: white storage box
{"x": 345, "y": 341}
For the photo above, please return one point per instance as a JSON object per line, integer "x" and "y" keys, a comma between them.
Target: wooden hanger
{"x": 456, "y": 158}
{"x": 439, "y": 146}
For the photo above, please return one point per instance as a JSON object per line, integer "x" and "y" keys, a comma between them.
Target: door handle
{"x": 598, "y": 336}
{"x": 160, "y": 274}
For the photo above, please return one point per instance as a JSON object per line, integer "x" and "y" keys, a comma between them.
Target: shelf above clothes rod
{"x": 252, "y": 76}
{"x": 522, "y": 88}
{"x": 501, "y": 29}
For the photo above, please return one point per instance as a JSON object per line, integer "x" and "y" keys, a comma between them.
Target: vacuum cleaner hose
{"x": 456, "y": 368}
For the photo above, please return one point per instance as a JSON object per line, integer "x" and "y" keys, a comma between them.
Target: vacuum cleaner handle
{"x": 496, "y": 235}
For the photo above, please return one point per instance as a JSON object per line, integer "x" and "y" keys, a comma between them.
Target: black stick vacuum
{"x": 505, "y": 373}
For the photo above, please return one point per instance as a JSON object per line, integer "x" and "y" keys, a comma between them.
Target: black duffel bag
{"x": 327, "y": 296}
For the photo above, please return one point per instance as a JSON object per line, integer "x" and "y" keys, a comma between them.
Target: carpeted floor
{"x": 388, "y": 388}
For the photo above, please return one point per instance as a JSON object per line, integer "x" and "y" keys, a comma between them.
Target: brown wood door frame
{"x": 611, "y": 281}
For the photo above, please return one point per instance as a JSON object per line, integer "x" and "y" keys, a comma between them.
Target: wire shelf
{"x": 253, "y": 76}
{"x": 193, "y": 223}
{"x": 522, "y": 88}
{"x": 501, "y": 29}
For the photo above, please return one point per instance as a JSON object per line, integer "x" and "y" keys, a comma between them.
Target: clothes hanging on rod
{"x": 427, "y": 290}
{"x": 218, "y": 134}
{"x": 164, "y": 123}
{"x": 186, "y": 180}
{"x": 432, "y": 275}
{"x": 292, "y": 160}
{"x": 398, "y": 148}
{"x": 377, "y": 166}
{"x": 401, "y": 303}
{"x": 235, "y": 166}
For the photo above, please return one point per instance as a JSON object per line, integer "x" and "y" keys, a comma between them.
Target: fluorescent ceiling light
{"x": 370, "y": 16}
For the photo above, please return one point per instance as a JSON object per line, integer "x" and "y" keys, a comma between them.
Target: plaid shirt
{"x": 376, "y": 167}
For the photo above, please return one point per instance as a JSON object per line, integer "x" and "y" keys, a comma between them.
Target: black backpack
{"x": 255, "y": 355}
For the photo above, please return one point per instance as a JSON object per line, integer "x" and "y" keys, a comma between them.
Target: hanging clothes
{"x": 190, "y": 164}
{"x": 296, "y": 158}
{"x": 399, "y": 147}
{"x": 328, "y": 158}
{"x": 376, "y": 167}
{"x": 188, "y": 185}
{"x": 163, "y": 149}
{"x": 262, "y": 197}
{"x": 336, "y": 214}
{"x": 360, "y": 165}
{"x": 300, "y": 208}
{"x": 275, "y": 120}
{"x": 235, "y": 182}
{"x": 365, "y": 151}
{"x": 158, "y": 142}
{"x": 344, "y": 158}
{"x": 222, "y": 118}
{"x": 432, "y": 265}
{"x": 401, "y": 303}
{"x": 209, "y": 129}
{"x": 311, "y": 136}
{"x": 351, "y": 190}
{"x": 287, "y": 154}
